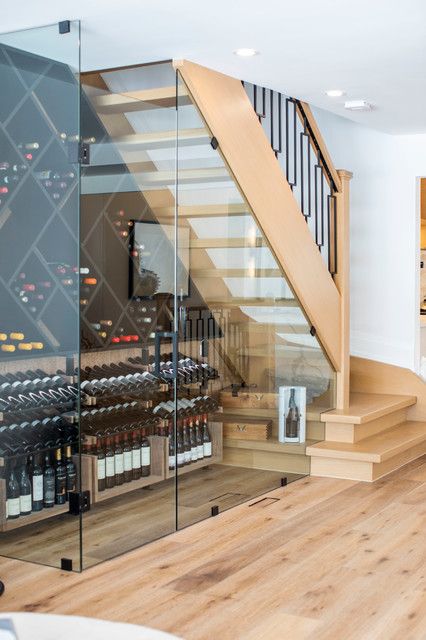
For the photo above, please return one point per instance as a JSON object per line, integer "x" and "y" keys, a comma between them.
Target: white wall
{"x": 384, "y": 236}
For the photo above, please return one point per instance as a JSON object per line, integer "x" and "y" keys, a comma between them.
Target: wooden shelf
{"x": 205, "y": 462}
{"x": 161, "y": 97}
{"x": 127, "y": 487}
{"x": 236, "y": 273}
{"x": 36, "y": 516}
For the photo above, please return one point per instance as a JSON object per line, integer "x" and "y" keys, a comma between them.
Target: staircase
{"x": 369, "y": 439}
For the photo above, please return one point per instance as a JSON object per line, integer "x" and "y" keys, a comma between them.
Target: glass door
{"x": 254, "y": 381}
{"x": 128, "y": 348}
{"x": 39, "y": 283}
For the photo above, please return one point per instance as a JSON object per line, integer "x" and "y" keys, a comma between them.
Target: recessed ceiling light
{"x": 358, "y": 105}
{"x": 335, "y": 93}
{"x": 246, "y": 53}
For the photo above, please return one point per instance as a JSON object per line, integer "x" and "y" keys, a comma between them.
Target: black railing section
{"x": 296, "y": 148}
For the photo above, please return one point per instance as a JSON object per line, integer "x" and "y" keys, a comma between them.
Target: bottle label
{"x": 71, "y": 481}
{"x": 207, "y": 447}
{"x": 172, "y": 462}
{"x": 200, "y": 451}
{"x": 61, "y": 484}
{"x": 13, "y": 507}
{"x": 110, "y": 467}
{"x": 136, "y": 458}
{"x": 37, "y": 488}
{"x": 25, "y": 503}
{"x": 180, "y": 458}
{"x": 101, "y": 469}
{"x": 119, "y": 463}
{"x": 49, "y": 490}
{"x": 127, "y": 460}
{"x": 146, "y": 456}
{"x": 194, "y": 454}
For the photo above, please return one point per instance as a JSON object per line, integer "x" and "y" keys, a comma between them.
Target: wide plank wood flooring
{"x": 320, "y": 559}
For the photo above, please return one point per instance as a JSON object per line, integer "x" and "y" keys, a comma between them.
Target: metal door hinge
{"x": 79, "y": 502}
{"x": 64, "y": 26}
{"x": 84, "y": 153}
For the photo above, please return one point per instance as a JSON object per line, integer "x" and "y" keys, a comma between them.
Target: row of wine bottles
{"x": 10, "y": 341}
{"x": 38, "y": 434}
{"x": 129, "y": 416}
{"x": 33, "y": 483}
{"x": 193, "y": 442}
{"x": 122, "y": 458}
{"x": 34, "y": 389}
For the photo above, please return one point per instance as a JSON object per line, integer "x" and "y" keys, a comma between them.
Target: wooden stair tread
{"x": 377, "y": 448}
{"x": 365, "y": 407}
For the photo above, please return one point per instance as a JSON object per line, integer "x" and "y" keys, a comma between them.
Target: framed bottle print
{"x": 292, "y": 414}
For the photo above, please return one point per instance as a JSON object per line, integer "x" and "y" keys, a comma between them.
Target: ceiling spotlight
{"x": 358, "y": 105}
{"x": 335, "y": 93}
{"x": 246, "y": 53}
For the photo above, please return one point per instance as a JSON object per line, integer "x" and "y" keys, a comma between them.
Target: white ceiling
{"x": 373, "y": 49}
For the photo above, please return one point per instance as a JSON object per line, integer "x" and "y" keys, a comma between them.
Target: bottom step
{"x": 371, "y": 458}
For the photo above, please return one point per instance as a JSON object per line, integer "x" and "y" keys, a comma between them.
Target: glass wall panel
{"x": 269, "y": 379}
{"x": 39, "y": 282}
{"x": 127, "y": 307}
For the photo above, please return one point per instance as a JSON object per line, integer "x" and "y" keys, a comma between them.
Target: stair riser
{"x": 275, "y": 461}
{"x": 351, "y": 433}
{"x": 363, "y": 471}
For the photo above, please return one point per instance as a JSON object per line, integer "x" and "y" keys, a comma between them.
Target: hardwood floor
{"x": 130, "y": 520}
{"x": 321, "y": 559}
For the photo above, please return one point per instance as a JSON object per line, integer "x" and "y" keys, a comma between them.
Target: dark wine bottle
{"x": 207, "y": 441}
{"x": 118, "y": 461}
{"x": 127, "y": 459}
{"x": 37, "y": 484}
{"x": 13, "y": 506}
{"x": 136, "y": 456}
{"x": 48, "y": 483}
{"x": 100, "y": 453}
{"x": 71, "y": 472}
{"x": 60, "y": 479}
{"x": 24, "y": 492}
{"x": 292, "y": 423}
{"x": 109, "y": 465}
{"x": 145, "y": 455}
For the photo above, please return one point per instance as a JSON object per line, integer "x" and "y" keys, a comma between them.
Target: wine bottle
{"x": 127, "y": 459}
{"x": 109, "y": 465}
{"x": 172, "y": 451}
{"x": 207, "y": 441}
{"x": 13, "y": 505}
{"x": 100, "y": 453}
{"x": 180, "y": 457}
{"x": 71, "y": 472}
{"x": 37, "y": 485}
{"x": 199, "y": 438}
{"x": 145, "y": 455}
{"x": 48, "y": 483}
{"x": 60, "y": 479}
{"x": 193, "y": 439}
{"x": 292, "y": 423}
{"x": 118, "y": 461}
{"x": 136, "y": 456}
{"x": 187, "y": 443}
{"x": 24, "y": 492}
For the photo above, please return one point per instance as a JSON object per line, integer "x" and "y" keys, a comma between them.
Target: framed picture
{"x": 292, "y": 414}
{"x": 152, "y": 255}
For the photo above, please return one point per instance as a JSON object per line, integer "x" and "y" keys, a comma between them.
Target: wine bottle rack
{"x": 215, "y": 429}
{"x": 38, "y": 213}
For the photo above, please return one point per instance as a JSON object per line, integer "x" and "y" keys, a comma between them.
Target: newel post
{"x": 342, "y": 281}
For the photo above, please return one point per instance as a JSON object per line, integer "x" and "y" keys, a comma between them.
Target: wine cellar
{"x": 156, "y": 367}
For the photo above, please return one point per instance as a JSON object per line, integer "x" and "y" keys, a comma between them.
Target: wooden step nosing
{"x": 402, "y": 403}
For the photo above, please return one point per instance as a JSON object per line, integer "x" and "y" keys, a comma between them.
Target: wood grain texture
{"x": 231, "y": 119}
{"x": 370, "y": 376}
{"x": 338, "y": 560}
